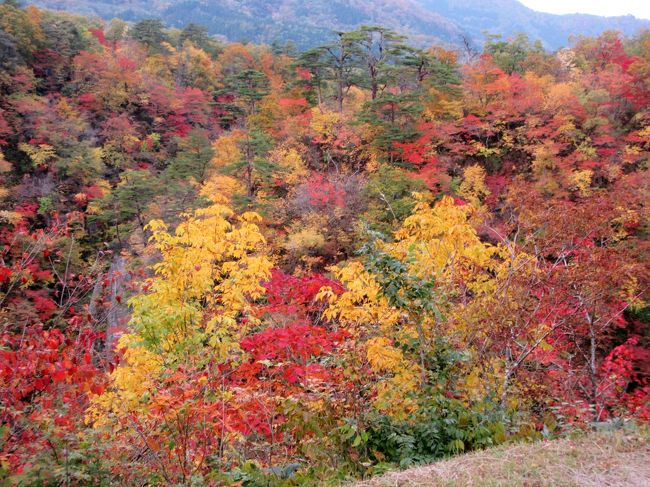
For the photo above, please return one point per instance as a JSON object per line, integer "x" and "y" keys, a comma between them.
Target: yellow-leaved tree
{"x": 406, "y": 300}
{"x": 194, "y": 310}
{"x": 288, "y": 165}
{"x": 227, "y": 153}
{"x": 473, "y": 188}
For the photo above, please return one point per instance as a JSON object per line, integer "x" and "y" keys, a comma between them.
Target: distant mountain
{"x": 508, "y": 17}
{"x": 310, "y": 22}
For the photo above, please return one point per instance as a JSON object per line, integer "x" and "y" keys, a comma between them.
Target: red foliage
{"x": 99, "y": 35}
{"x": 291, "y": 294}
{"x": 324, "y": 193}
{"x": 291, "y": 347}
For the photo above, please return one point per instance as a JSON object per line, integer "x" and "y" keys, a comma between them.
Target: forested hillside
{"x": 308, "y": 23}
{"x": 234, "y": 264}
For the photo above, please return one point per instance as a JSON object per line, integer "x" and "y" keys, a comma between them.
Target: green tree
{"x": 255, "y": 164}
{"x": 241, "y": 94}
{"x": 390, "y": 198}
{"x": 379, "y": 52}
{"x": 116, "y": 30}
{"x": 198, "y": 35}
{"x": 511, "y": 55}
{"x": 127, "y": 203}
{"x": 151, "y": 33}
{"x": 192, "y": 160}
{"x": 393, "y": 117}
{"x": 27, "y": 35}
{"x": 313, "y": 62}
{"x": 338, "y": 63}
{"x": 9, "y": 56}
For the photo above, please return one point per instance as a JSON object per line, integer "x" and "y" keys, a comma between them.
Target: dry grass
{"x": 594, "y": 460}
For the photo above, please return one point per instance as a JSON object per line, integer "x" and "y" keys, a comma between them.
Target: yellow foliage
{"x": 365, "y": 311}
{"x": 473, "y": 188}
{"x": 559, "y": 96}
{"x": 645, "y": 133}
{"x": 157, "y": 65}
{"x": 203, "y": 248}
{"x": 197, "y": 66}
{"x": 586, "y": 151}
{"x": 5, "y": 165}
{"x": 440, "y": 242}
{"x": 211, "y": 269}
{"x": 484, "y": 380}
{"x": 544, "y": 160}
{"x": 581, "y": 181}
{"x": 382, "y": 356}
{"x": 220, "y": 188}
{"x": 235, "y": 58}
{"x": 128, "y": 383}
{"x": 355, "y": 99}
{"x": 441, "y": 105}
{"x": 39, "y": 154}
{"x": 437, "y": 243}
{"x": 304, "y": 241}
{"x": 484, "y": 151}
{"x": 10, "y": 216}
{"x": 267, "y": 115}
{"x": 226, "y": 149}
{"x": 290, "y": 166}
{"x": 362, "y": 305}
{"x": 325, "y": 124}
{"x": 393, "y": 393}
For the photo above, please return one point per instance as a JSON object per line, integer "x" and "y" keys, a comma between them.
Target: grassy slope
{"x": 597, "y": 459}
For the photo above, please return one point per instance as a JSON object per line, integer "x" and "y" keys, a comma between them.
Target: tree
{"x": 390, "y": 191}
{"x": 50, "y": 348}
{"x": 196, "y": 34}
{"x": 128, "y": 201}
{"x": 512, "y": 55}
{"x": 380, "y": 52}
{"x": 151, "y": 33}
{"x": 310, "y": 67}
{"x": 22, "y": 27}
{"x": 187, "y": 323}
{"x": 392, "y": 121}
{"x": 240, "y": 96}
{"x": 338, "y": 59}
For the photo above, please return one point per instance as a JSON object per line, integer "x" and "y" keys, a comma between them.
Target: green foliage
{"x": 253, "y": 167}
{"x": 191, "y": 162}
{"x": 393, "y": 119}
{"x": 390, "y": 193}
{"x": 442, "y": 427}
{"x": 24, "y": 35}
{"x": 196, "y": 34}
{"x": 151, "y": 33}
{"x": 248, "y": 87}
{"x": 511, "y": 55}
{"x": 127, "y": 202}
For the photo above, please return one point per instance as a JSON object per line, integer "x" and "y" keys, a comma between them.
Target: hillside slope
{"x": 305, "y": 22}
{"x": 311, "y": 22}
{"x": 508, "y": 17}
{"x": 595, "y": 460}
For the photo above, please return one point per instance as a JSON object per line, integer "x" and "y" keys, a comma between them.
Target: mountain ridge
{"x": 310, "y": 22}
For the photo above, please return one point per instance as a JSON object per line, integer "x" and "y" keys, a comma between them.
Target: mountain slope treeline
{"x": 308, "y": 23}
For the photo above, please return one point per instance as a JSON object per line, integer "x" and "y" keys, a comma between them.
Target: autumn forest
{"x": 226, "y": 263}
